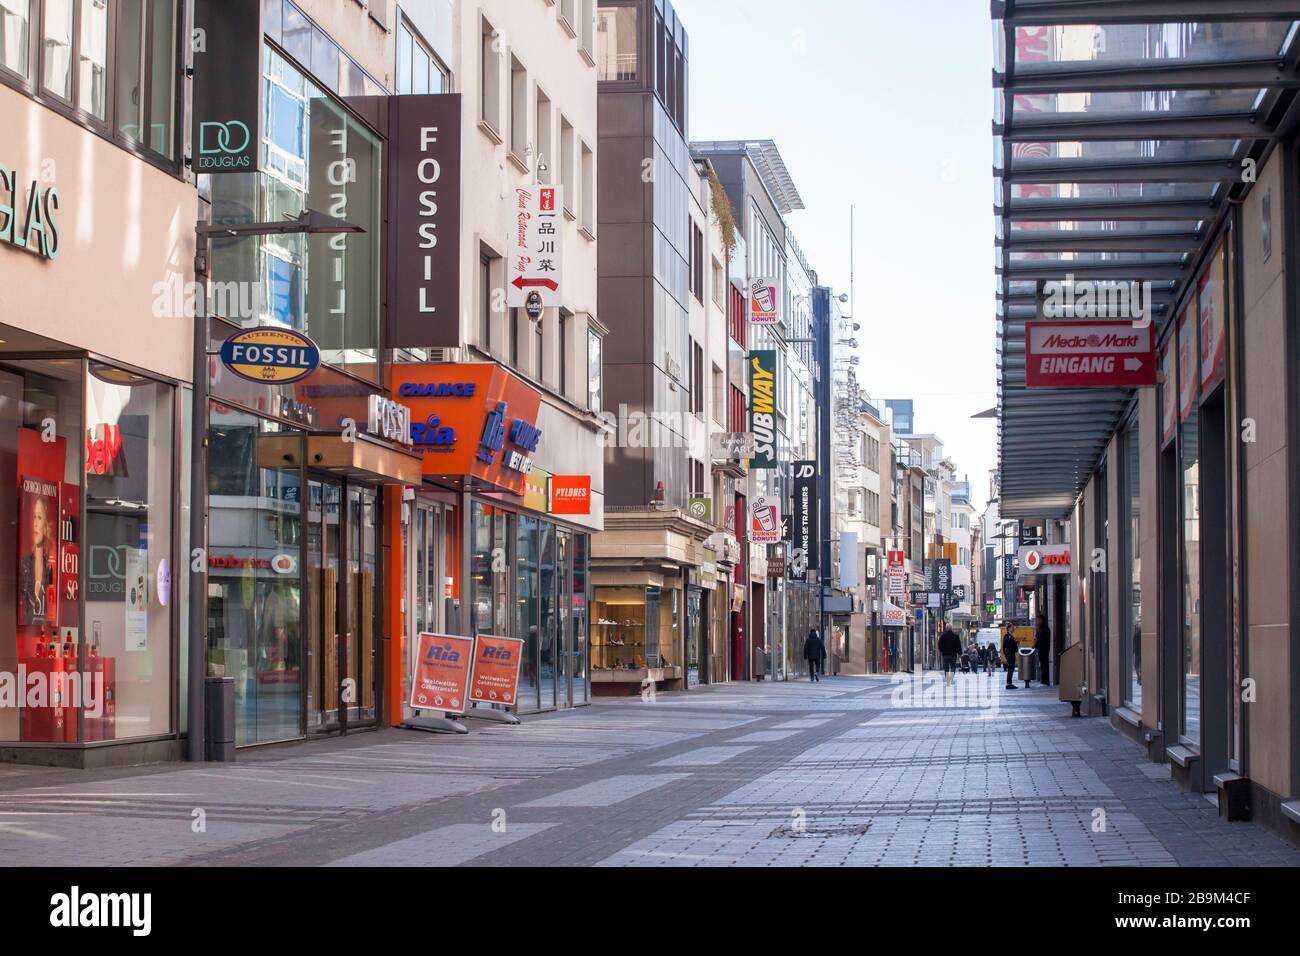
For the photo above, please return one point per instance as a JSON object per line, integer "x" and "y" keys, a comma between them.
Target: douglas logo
{"x": 76, "y": 909}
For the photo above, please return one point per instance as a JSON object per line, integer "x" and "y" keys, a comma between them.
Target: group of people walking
{"x": 975, "y": 656}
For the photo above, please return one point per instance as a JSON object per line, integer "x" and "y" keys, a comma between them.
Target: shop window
{"x": 618, "y": 641}
{"x": 1132, "y": 570}
{"x": 526, "y": 565}
{"x": 1189, "y": 469}
{"x": 581, "y": 630}
{"x": 40, "y": 489}
{"x": 255, "y": 596}
{"x": 316, "y": 156}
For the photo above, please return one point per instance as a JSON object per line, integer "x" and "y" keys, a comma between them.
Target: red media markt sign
{"x": 1089, "y": 355}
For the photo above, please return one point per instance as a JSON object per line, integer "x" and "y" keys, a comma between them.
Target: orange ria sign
{"x": 494, "y": 678}
{"x": 471, "y": 420}
{"x": 570, "y": 494}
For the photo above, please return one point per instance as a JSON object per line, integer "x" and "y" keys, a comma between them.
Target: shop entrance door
{"x": 342, "y": 566}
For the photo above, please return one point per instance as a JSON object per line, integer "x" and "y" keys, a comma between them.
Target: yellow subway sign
{"x": 762, "y": 407}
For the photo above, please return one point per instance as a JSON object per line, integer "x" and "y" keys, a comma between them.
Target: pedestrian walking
{"x": 1043, "y": 649}
{"x": 814, "y": 652}
{"x": 949, "y": 650}
{"x": 1009, "y": 648}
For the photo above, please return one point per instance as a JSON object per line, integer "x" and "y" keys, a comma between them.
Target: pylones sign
{"x": 762, "y": 407}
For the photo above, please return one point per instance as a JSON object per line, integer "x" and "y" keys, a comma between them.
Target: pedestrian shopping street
{"x": 854, "y": 770}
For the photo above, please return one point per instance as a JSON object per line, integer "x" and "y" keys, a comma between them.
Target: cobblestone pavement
{"x": 856, "y": 771}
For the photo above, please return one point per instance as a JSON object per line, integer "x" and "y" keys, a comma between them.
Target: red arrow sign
{"x": 1089, "y": 355}
{"x": 520, "y": 282}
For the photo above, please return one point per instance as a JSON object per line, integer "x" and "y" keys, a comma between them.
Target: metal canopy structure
{"x": 1123, "y": 132}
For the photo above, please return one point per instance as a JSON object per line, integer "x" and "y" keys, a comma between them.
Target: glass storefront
{"x": 1131, "y": 496}
{"x": 1189, "y": 697}
{"x": 255, "y": 587}
{"x": 541, "y": 569}
{"x": 635, "y": 629}
{"x": 87, "y": 474}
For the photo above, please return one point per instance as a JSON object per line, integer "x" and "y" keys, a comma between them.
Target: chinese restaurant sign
{"x": 441, "y": 673}
{"x": 534, "y": 259}
{"x": 494, "y": 678}
{"x": 762, "y": 407}
{"x": 227, "y": 43}
{"x": 472, "y": 420}
{"x": 424, "y": 220}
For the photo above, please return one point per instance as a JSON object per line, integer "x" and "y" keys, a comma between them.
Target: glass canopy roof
{"x": 1121, "y": 132}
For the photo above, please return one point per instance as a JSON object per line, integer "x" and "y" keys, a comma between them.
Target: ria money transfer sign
{"x": 762, "y": 407}
{"x": 441, "y": 673}
{"x": 1089, "y": 355}
{"x": 494, "y": 678}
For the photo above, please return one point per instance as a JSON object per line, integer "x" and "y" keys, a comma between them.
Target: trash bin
{"x": 1025, "y": 664}
{"x": 220, "y": 718}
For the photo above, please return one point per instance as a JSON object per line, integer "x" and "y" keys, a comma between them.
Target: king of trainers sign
{"x": 1089, "y": 355}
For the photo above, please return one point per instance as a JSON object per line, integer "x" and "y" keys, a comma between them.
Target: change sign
{"x": 1089, "y": 355}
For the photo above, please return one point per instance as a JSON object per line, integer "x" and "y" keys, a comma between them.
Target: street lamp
{"x": 307, "y": 222}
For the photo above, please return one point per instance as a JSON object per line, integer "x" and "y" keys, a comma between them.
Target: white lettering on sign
{"x": 429, "y": 171}
{"x": 389, "y": 419}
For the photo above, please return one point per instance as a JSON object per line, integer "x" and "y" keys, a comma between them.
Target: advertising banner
{"x": 1089, "y": 355}
{"x": 1044, "y": 559}
{"x": 764, "y": 520}
{"x": 896, "y": 573}
{"x": 1187, "y": 374}
{"x": 1168, "y": 387}
{"x": 69, "y": 552}
{"x": 803, "y": 526}
{"x": 700, "y": 507}
{"x": 762, "y": 407}
{"x": 1212, "y": 309}
{"x": 494, "y": 676}
{"x": 441, "y": 673}
{"x": 570, "y": 494}
{"x": 38, "y": 550}
{"x": 424, "y": 217}
{"x": 764, "y": 301}
{"x": 533, "y": 262}
{"x": 731, "y": 446}
{"x": 227, "y": 92}
{"x": 137, "y": 599}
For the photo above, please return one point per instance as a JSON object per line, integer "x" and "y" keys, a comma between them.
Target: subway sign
{"x": 762, "y": 407}
{"x": 270, "y": 355}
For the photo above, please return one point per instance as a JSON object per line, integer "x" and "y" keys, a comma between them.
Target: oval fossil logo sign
{"x": 271, "y": 355}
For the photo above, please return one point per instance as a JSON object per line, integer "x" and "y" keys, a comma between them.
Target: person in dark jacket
{"x": 814, "y": 652}
{"x": 949, "y": 650}
{"x": 1009, "y": 648}
{"x": 1043, "y": 649}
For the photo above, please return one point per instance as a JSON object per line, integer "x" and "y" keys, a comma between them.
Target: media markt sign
{"x": 227, "y": 44}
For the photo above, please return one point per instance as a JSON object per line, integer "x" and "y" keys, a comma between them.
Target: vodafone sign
{"x": 1089, "y": 355}
{"x": 1044, "y": 559}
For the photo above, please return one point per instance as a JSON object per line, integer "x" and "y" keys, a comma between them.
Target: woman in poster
{"x": 38, "y": 552}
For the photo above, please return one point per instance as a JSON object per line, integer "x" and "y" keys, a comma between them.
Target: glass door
{"x": 547, "y": 616}
{"x": 323, "y": 540}
{"x": 362, "y": 603}
{"x": 425, "y": 583}
{"x": 563, "y": 630}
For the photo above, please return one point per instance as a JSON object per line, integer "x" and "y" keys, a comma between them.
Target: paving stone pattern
{"x": 851, "y": 771}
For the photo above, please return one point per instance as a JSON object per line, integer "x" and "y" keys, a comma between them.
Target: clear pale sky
{"x": 886, "y": 107}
